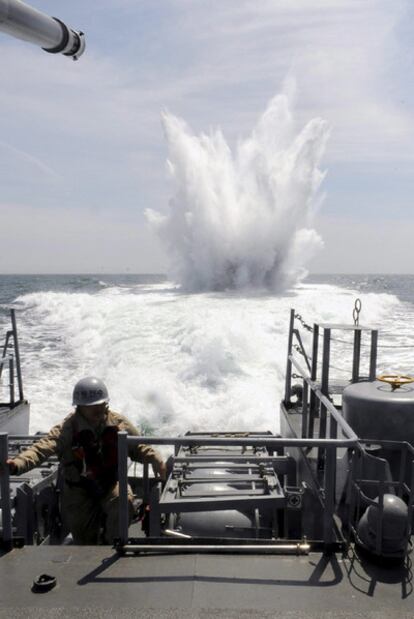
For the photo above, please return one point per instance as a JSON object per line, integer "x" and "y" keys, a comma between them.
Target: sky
{"x": 82, "y": 150}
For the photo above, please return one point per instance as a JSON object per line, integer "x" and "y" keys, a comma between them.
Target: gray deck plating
{"x": 98, "y": 582}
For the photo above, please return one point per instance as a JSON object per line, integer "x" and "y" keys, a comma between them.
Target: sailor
{"x": 86, "y": 445}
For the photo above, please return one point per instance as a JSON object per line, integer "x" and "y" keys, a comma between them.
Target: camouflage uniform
{"x": 83, "y": 505}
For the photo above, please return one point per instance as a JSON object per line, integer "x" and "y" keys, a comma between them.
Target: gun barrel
{"x": 24, "y": 22}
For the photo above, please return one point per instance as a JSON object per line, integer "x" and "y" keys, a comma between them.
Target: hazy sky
{"x": 82, "y": 152}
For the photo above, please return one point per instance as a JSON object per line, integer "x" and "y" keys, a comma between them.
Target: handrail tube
{"x": 298, "y": 549}
{"x": 239, "y": 442}
{"x": 27, "y": 437}
{"x": 236, "y": 460}
{"x": 387, "y": 443}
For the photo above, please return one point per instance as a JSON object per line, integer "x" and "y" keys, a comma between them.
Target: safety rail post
{"x": 288, "y": 380}
{"x": 325, "y": 391}
{"x": 17, "y": 355}
{"x": 373, "y": 355}
{"x": 325, "y": 361}
{"x": 333, "y": 434}
{"x": 314, "y": 402}
{"x": 123, "y": 486}
{"x": 145, "y": 483}
{"x": 328, "y": 514}
{"x": 401, "y": 476}
{"x": 356, "y": 359}
{"x": 305, "y": 398}
{"x": 381, "y": 491}
{"x": 155, "y": 513}
{"x": 5, "y": 491}
{"x": 11, "y": 379}
{"x": 352, "y": 497}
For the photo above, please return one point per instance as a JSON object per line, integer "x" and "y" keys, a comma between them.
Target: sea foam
{"x": 175, "y": 362}
{"x": 243, "y": 218}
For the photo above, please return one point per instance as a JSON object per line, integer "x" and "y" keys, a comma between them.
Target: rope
{"x": 298, "y": 349}
{"x": 303, "y": 323}
{"x": 336, "y": 339}
{"x": 397, "y": 346}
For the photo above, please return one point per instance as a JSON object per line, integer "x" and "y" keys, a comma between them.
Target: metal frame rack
{"x": 273, "y": 492}
{"x": 29, "y": 503}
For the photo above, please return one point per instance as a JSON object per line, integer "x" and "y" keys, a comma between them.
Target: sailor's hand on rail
{"x": 160, "y": 469}
{"x": 11, "y": 465}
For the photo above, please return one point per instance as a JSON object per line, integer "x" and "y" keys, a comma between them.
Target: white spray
{"x": 242, "y": 219}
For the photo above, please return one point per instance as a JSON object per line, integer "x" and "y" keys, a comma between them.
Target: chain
{"x": 356, "y": 311}
{"x": 298, "y": 349}
{"x": 397, "y": 346}
{"x": 303, "y": 323}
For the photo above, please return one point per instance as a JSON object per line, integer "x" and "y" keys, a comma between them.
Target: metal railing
{"x": 312, "y": 360}
{"x": 322, "y": 419}
{"x": 11, "y": 361}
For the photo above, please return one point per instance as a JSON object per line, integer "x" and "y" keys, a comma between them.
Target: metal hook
{"x": 356, "y": 311}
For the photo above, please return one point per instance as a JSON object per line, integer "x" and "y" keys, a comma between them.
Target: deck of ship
{"x": 97, "y": 582}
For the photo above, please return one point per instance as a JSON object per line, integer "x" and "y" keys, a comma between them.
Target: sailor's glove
{"x": 11, "y": 465}
{"x": 160, "y": 469}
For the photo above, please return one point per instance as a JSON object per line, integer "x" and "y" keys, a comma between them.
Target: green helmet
{"x": 90, "y": 391}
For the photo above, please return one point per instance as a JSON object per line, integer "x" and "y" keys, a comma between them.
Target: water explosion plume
{"x": 242, "y": 219}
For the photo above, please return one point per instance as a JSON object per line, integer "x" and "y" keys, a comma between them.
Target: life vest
{"x": 96, "y": 458}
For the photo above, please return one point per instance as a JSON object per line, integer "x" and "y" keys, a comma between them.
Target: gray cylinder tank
{"x": 375, "y": 411}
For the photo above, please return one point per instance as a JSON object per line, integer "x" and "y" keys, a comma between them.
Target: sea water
{"x": 176, "y": 361}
